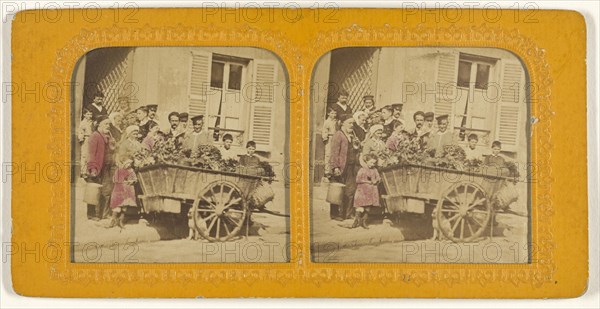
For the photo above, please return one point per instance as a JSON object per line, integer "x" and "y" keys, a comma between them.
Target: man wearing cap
{"x": 199, "y": 136}
{"x": 397, "y": 107}
{"x": 142, "y": 115}
{"x": 369, "y": 104}
{"x": 389, "y": 122}
{"x": 100, "y": 167}
{"x": 97, "y": 107}
{"x": 183, "y": 122}
{"x": 428, "y": 117}
{"x": 442, "y": 137}
{"x": 152, "y": 108}
{"x": 341, "y": 107}
{"x": 344, "y": 164}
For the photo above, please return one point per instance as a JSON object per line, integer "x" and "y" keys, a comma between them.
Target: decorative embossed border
{"x": 542, "y": 267}
{"x": 556, "y": 271}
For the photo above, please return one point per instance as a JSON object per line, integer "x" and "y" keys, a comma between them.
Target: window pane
{"x": 464, "y": 74}
{"x": 235, "y": 77}
{"x": 483, "y": 76}
{"x": 216, "y": 75}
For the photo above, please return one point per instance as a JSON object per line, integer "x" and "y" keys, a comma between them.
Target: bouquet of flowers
{"x": 229, "y": 165}
{"x": 408, "y": 151}
{"x": 452, "y": 157}
{"x": 167, "y": 151}
{"x": 206, "y": 156}
{"x": 473, "y": 164}
{"x": 142, "y": 158}
{"x": 267, "y": 168}
{"x": 513, "y": 169}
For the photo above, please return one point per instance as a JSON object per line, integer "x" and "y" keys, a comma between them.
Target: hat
{"x": 368, "y": 97}
{"x": 143, "y": 108}
{"x": 441, "y": 117}
{"x": 183, "y": 116}
{"x": 197, "y": 118}
{"x": 429, "y": 115}
{"x": 152, "y": 107}
{"x": 397, "y": 105}
{"x": 375, "y": 128}
{"x": 131, "y": 129}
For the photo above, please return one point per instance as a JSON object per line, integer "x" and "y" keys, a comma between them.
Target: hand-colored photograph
{"x": 420, "y": 156}
{"x": 177, "y": 158}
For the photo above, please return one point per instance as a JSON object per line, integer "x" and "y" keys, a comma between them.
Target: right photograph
{"x": 420, "y": 155}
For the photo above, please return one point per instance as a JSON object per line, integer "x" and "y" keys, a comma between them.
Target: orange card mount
{"x": 302, "y": 153}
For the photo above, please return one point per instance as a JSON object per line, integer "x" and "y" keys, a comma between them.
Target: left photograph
{"x": 175, "y": 156}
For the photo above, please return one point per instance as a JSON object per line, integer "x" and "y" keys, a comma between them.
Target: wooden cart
{"x": 219, "y": 202}
{"x": 464, "y": 201}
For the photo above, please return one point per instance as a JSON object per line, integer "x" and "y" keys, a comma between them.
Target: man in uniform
{"x": 152, "y": 108}
{"x": 183, "y": 122}
{"x": 442, "y": 137}
{"x": 428, "y": 117}
{"x": 197, "y": 137}
{"x": 144, "y": 121}
{"x": 397, "y": 107}
{"x": 369, "y": 104}
{"x": 389, "y": 122}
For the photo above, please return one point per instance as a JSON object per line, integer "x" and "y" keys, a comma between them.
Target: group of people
{"x": 353, "y": 141}
{"x": 109, "y": 143}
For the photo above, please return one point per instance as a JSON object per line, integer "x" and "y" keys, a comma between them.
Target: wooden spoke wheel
{"x": 463, "y": 212}
{"x": 220, "y": 211}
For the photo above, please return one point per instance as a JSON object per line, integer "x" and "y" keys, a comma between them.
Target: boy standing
{"x": 495, "y": 159}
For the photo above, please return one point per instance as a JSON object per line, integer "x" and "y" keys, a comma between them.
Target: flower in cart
{"x": 206, "y": 156}
{"x": 142, "y": 158}
{"x": 452, "y": 157}
{"x": 473, "y": 164}
{"x": 229, "y": 165}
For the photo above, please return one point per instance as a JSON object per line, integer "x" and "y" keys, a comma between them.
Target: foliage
{"x": 169, "y": 151}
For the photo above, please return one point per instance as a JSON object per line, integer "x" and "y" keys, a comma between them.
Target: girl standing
{"x": 123, "y": 193}
{"x": 367, "y": 192}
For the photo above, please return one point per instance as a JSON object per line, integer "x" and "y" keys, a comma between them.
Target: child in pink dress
{"x": 123, "y": 193}
{"x": 367, "y": 193}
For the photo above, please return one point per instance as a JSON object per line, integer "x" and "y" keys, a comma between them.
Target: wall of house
{"x": 161, "y": 76}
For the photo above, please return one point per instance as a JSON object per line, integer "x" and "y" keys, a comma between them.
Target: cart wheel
{"x": 220, "y": 211}
{"x": 463, "y": 212}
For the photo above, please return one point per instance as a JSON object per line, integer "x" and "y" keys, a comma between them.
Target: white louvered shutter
{"x": 446, "y": 78}
{"x": 509, "y": 122}
{"x": 199, "y": 83}
{"x": 261, "y": 108}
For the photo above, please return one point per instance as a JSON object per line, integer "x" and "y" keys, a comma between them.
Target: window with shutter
{"x": 509, "y": 122}
{"x": 200, "y": 68}
{"x": 261, "y": 110}
{"x": 447, "y": 70}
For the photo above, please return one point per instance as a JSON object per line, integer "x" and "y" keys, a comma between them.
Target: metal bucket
{"x": 92, "y": 193}
{"x": 335, "y": 193}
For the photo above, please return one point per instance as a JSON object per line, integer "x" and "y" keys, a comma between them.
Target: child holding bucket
{"x": 367, "y": 192}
